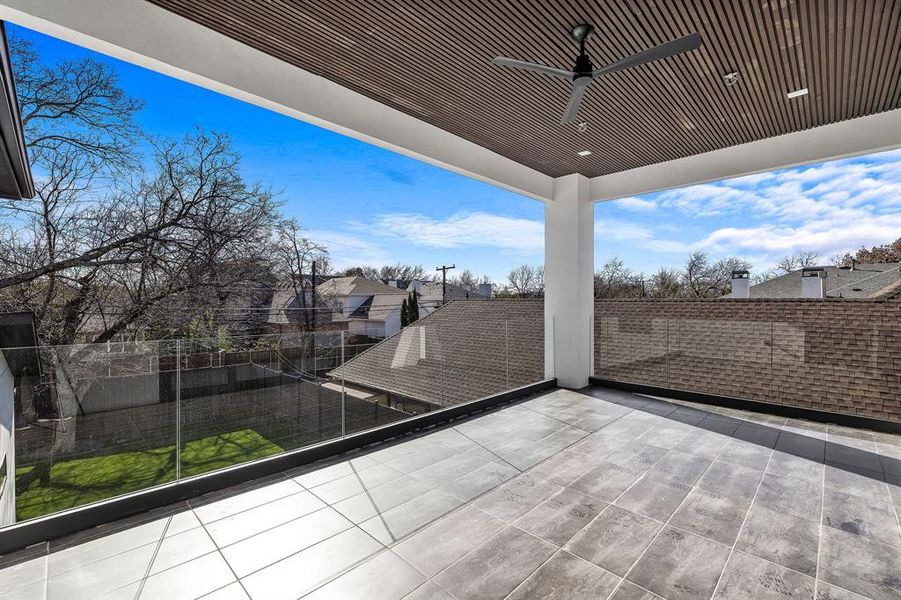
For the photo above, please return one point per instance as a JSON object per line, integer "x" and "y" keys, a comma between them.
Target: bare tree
{"x": 100, "y": 266}
{"x": 397, "y": 272}
{"x": 666, "y": 283}
{"x": 294, "y": 256}
{"x": 703, "y": 279}
{"x": 797, "y": 260}
{"x": 616, "y": 280}
{"x": 466, "y": 277}
{"x": 526, "y": 281}
{"x": 74, "y": 107}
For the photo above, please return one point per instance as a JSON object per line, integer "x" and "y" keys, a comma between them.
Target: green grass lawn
{"x": 48, "y": 488}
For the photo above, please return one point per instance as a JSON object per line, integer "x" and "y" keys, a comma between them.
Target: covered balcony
{"x": 561, "y": 447}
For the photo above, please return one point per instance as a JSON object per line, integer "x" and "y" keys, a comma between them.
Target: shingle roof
{"x": 465, "y": 350}
{"x": 864, "y": 281}
{"x": 356, "y": 286}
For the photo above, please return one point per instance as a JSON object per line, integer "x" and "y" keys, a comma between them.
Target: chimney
{"x": 485, "y": 290}
{"x": 741, "y": 283}
{"x": 813, "y": 282}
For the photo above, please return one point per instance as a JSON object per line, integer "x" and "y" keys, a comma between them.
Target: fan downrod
{"x": 581, "y": 32}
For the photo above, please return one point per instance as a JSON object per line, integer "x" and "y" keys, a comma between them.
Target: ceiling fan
{"x": 584, "y": 73}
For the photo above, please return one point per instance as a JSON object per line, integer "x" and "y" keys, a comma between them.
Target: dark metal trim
{"x": 783, "y": 410}
{"x": 14, "y": 154}
{"x": 43, "y": 529}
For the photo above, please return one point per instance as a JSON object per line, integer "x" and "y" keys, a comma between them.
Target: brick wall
{"x": 831, "y": 355}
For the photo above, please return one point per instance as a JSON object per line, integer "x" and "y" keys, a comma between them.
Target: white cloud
{"x": 465, "y": 229}
{"x": 636, "y": 204}
{"x": 347, "y": 250}
{"x": 825, "y": 208}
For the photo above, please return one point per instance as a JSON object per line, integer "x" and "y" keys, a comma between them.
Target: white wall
{"x": 7, "y": 444}
{"x": 392, "y": 323}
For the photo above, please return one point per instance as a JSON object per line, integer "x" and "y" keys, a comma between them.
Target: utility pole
{"x": 313, "y": 294}
{"x": 444, "y": 269}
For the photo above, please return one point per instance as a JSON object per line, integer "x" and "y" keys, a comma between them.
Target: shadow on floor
{"x": 855, "y": 460}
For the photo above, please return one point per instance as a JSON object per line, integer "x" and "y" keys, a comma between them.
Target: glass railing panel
{"x": 92, "y": 422}
{"x": 246, "y": 398}
{"x": 632, "y": 343}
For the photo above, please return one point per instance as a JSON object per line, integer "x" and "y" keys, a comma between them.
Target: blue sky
{"x": 372, "y": 206}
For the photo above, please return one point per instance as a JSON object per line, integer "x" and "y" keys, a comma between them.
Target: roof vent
{"x": 730, "y": 79}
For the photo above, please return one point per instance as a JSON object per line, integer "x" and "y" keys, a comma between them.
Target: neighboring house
{"x": 431, "y": 293}
{"x": 861, "y": 281}
{"x": 460, "y": 352}
{"x": 369, "y": 308}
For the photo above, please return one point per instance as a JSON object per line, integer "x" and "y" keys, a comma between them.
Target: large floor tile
{"x": 606, "y": 481}
{"x": 615, "y": 539}
{"x": 859, "y": 564}
{"x": 630, "y": 591}
{"x": 240, "y": 502}
{"x": 636, "y": 455}
{"x": 746, "y": 454}
{"x": 300, "y": 573}
{"x": 382, "y": 577}
{"x": 517, "y": 497}
{"x": 798, "y": 497}
{"x": 181, "y": 548}
{"x": 679, "y": 565}
{"x": 869, "y": 484}
{"x": 861, "y": 516}
{"x": 260, "y": 518}
{"x": 370, "y": 503}
{"x": 559, "y": 517}
{"x": 495, "y": 568}
{"x": 683, "y": 467}
{"x": 712, "y": 515}
{"x": 189, "y": 580}
{"x": 270, "y": 546}
{"x": 481, "y": 480}
{"x": 107, "y": 546}
{"x": 781, "y": 538}
{"x": 428, "y": 591}
{"x": 566, "y": 577}
{"x": 400, "y": 521}
{"x": 656, "y": 498}
{"x": 438, "y": 546}
{"x": 732, "y": 480}
{"x": 97, "y": 578}
{"x": 747, "y": 577}
{"x": 564, "y": 467}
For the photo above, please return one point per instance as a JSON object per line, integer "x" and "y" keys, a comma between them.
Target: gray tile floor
{"x": 567, "y": 495}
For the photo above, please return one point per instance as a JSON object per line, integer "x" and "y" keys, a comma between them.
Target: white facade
{"x": 7, "y": 445}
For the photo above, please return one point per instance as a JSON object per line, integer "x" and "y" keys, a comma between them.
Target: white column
{"x": 568, "y": 281}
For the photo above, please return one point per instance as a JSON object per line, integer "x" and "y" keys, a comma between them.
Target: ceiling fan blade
{"x": 683, "y": 44}
{"x": 572, "y": 109}
{"x": 521, "y": 64}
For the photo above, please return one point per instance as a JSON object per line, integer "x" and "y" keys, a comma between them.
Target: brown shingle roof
{"x": 465, "y": 350}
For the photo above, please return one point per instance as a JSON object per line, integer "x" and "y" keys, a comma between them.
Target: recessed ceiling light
{"x": 584, "y": 153}
{"x": 796, "y": 93}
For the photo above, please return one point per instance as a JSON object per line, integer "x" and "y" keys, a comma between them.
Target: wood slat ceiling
{"x": 431, "y": 59}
